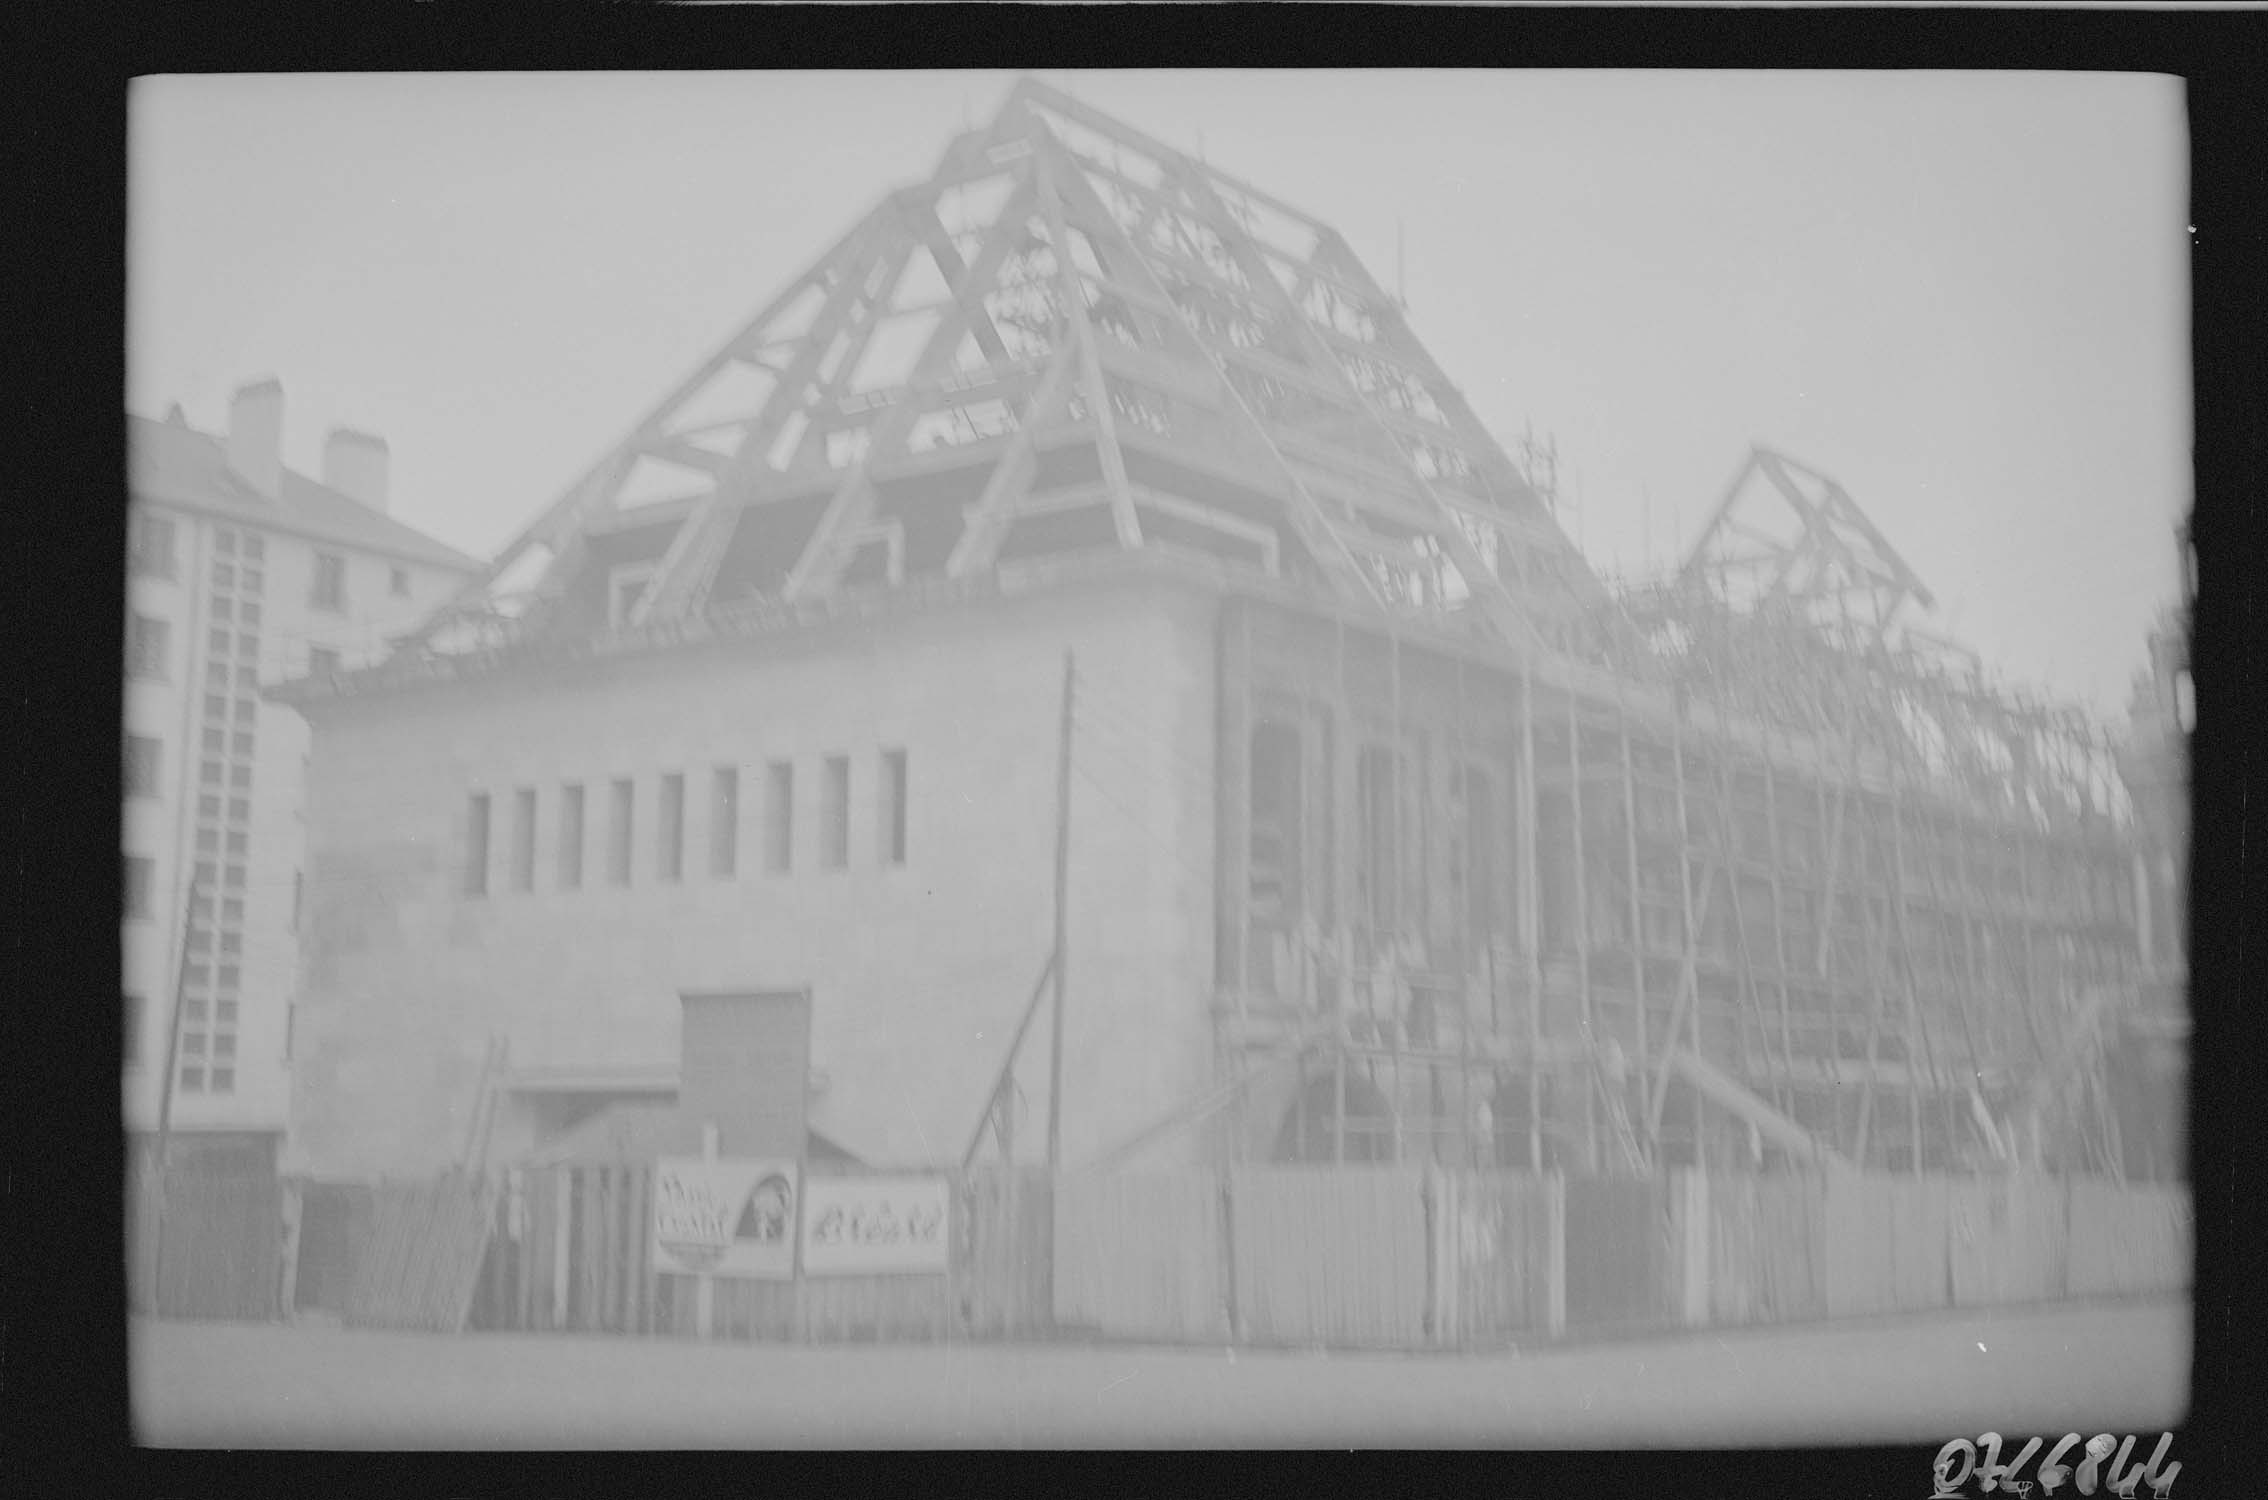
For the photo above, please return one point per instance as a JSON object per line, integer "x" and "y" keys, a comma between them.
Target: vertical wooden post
{"x": 705, "y": 1285}
{"x": 293, "y": 1205}
{"x": 1235, "y": 797}
{"x": 1531, "y": 936}
{"x": 1339, "y": 1101}
{"x": 1630, "y": 843}
{"x": 1688, "y": 980}
{"x": 1591, "y": 1152}
{"x": 1406, "y": 896}
{"x": 1779, "y": 886}
{"x": 1062, "y": 892}
{"x": 1916, "y": 1031}
{"x": 1394, "y": 1099}
{"x": 1693, "y": 1220}
{"x": 1347, "y": 844}
{"x": 2025, "y": 924}
{"x": 1555, "y": 1253}
{"x": 519, "y": 1216}
{"x": 1477, "y": 921}
{"x": 562, "y": 1257}
{"x": 1593, "y": 1156}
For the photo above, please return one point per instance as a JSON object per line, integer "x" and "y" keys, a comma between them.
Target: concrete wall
{"x": 918, "y": 973}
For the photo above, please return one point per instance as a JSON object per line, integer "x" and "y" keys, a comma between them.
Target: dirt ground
{"x": 2113, "y": 1366}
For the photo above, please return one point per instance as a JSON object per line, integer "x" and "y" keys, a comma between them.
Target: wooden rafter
{"x": 1174, "y": 234}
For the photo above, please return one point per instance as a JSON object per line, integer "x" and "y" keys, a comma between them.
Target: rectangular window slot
{"x": 834, "y": 813}
{"x": 571, "y": 836}
{"x": 890, "y": 815}
{"x": 724, "y": 821}
{"x": 618, "y": 834}
{"x": 523, "y": 839}
{"x": 476, "y": 845}
{"x": 669, "y": 852}
{"x": 779, "y": 816}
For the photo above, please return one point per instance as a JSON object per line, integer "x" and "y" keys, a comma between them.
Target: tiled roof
{"x": 177, "y": 465}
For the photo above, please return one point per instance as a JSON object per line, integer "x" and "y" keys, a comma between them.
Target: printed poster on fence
{"x": 868, "y": 1226}
{"x": 724, "y": 1218}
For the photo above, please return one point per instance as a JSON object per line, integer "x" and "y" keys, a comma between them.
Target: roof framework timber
{"x": 1073, "y": 337}
{"x": 1063, "y": 281}
{"x": 1793, "y": 609}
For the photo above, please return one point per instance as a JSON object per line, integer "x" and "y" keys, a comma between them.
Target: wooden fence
{"x": 570, "y": 1251}
{"x": 334, "y": 1223}
{"x": 218, "y": 1252}
{"x": 2128, "y": 1240}
{"x": 1854, "y": 1245}
{"x": 1364, "y": 1257}
{"x": 1390, "y": 1257}
{"x": 1334, "y": 1256}
{"x": 1767, "y": 1252}
{"x": 1497, "y": 1249}
{"x": 1142, "y": 1257}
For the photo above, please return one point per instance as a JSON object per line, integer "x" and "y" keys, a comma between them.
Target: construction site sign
{"x": 868, "y": 1226}
{"x": 730, "y": 1217}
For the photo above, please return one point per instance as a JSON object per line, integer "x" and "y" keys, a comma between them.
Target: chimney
{"x": 354, "y": 464}
{"x": 746, "y": 1068}
{"x": 255, "y": 436}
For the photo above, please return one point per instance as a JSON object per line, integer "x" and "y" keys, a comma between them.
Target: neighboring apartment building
{"x": 241, "y": 573}
{"x": 1392, "y": 833}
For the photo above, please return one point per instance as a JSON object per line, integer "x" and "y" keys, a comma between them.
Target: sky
{"x": 1964, "y": 296}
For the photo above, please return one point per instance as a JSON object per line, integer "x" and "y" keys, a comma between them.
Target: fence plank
{"x": 1623, "y": 1267}
{"x": 642, "y": 1216}
{"x": 1888, "y": 1243}
{"x": 869, "y": 1309}
{"x": 2128, "y": 1240}
{"x": 583, "y": 1284}
{"x": 547, "y": 1248}
{"x": 222, "y": 1247}
{"x": 1330, "y": 1257}
{"x": 1003, "y": 1230}
{"x": 1765, "y": 1248}
{"x": 1860, "y": 1259}
{"x": 618, "y": 1231}
{"x": 142, "y": 1192}
{"x": 523, "y": 1253}
{"x": 1922, "y": 1244}
{"x": 2008, "y": 1239}
{"x": 1497, "y": 1229}
{"x": 1140, "y": 1256}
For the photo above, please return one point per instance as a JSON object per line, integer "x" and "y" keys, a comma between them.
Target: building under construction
{"x": 1389, "y": 830}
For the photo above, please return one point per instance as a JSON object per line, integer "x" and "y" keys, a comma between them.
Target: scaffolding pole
{"x": 1630, "y": 846}
{"x": 1591, "y": 1152}
{"x": 1531, "y": 933}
